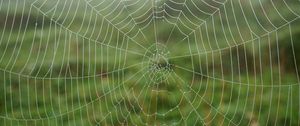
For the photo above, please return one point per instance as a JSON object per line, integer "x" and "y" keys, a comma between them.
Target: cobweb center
{"x": 158, "y": 65}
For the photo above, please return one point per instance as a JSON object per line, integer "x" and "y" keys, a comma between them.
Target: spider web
{"x": 149, "y": 62}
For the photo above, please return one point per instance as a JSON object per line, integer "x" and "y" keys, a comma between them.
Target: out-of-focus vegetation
{"x": 65, "y": 62}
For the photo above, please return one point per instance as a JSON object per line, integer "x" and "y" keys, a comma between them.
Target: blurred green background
{"x": 89, "y": 62}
